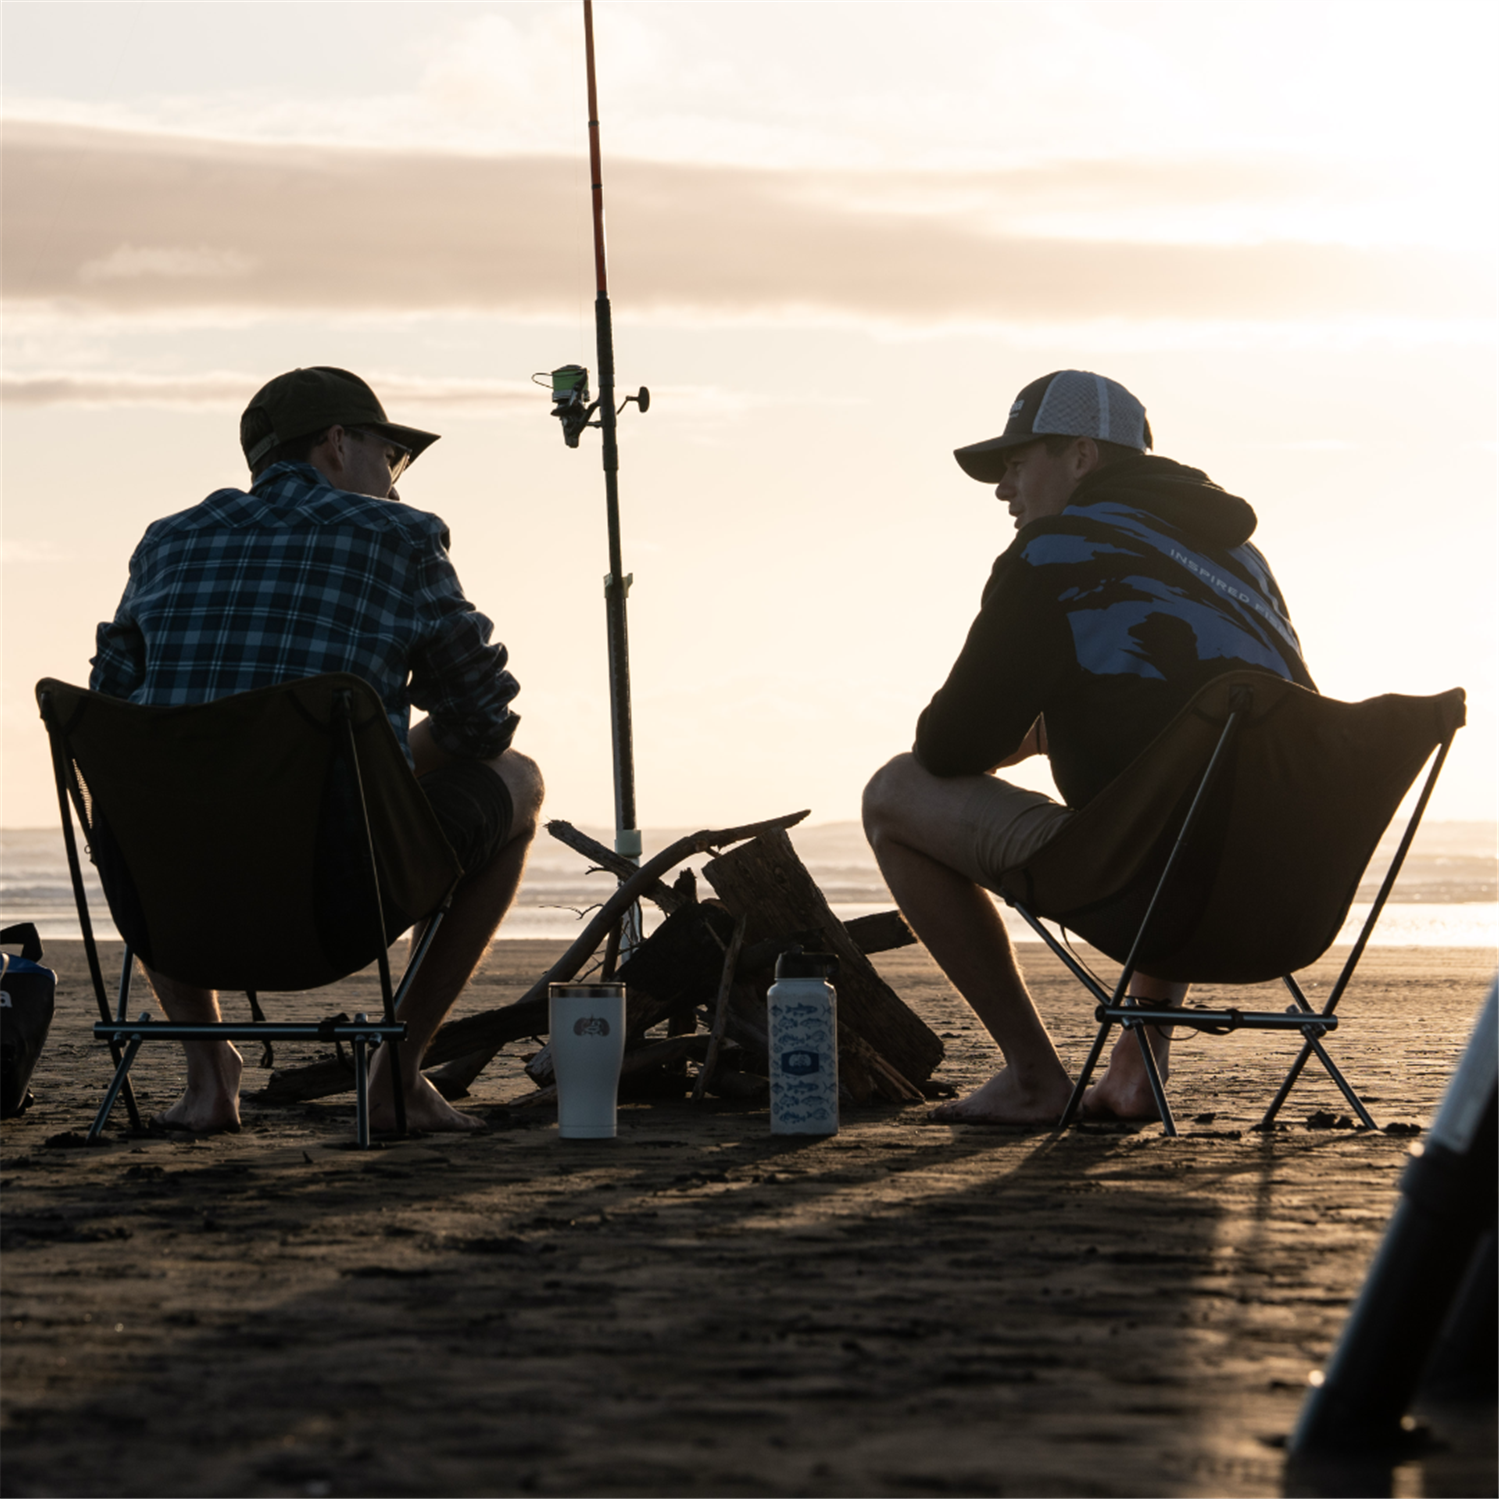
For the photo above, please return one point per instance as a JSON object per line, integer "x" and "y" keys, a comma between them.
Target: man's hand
{"x": 424, "y": 748}
{"x": 1034, "y": 743}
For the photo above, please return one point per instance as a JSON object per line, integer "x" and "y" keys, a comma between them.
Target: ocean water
{"x": 1446, "y": 896}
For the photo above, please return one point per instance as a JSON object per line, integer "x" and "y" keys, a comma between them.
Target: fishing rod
{"x": 573, "y": 409}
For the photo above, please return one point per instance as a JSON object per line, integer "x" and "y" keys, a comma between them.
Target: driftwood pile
{"x": 697, "y": 984}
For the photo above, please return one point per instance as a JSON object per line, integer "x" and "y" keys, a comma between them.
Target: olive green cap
{"x": 304, "y": 401}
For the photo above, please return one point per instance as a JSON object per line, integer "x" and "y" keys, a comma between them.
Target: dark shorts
{"x": 473, "y": 808}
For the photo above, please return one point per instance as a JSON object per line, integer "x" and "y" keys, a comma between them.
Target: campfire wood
{"x": 699, "y": 961}
{"x": 767, "y": 883}
{"x": 488, "y": 1032}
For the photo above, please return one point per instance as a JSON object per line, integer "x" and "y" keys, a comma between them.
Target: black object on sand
{"x": 1425, "y": 1319}
{"x": 26, "y": 1004}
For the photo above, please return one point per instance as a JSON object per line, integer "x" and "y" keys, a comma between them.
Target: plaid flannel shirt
{"x": 296, "y": 578}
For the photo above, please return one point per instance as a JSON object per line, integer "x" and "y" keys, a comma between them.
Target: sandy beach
{"x": 696, "y": 1307}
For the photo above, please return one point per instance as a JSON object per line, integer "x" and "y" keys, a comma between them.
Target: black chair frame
{"x": 1119, "y": 1008}
{"x": 125, "y": 1037}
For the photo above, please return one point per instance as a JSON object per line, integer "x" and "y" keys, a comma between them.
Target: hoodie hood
{"x": 1183, "y": 497}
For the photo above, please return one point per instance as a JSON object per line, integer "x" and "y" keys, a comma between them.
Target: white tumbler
{"x": 588, "y": 1045}
{"x": 803, "y": 1013}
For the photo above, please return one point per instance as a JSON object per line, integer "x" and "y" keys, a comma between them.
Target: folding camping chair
{"x": 1230, "y": 852}
{"x": 274, "y": 840}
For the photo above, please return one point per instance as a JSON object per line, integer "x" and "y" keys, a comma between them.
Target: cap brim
{"x": 985, "y": 461}
{"x": 408, "y": 437}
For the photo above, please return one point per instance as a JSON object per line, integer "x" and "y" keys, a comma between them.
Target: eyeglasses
{"x": 398, "y": 457}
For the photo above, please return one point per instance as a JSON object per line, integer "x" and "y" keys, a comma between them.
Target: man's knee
{"x": 888, "y": 792}
{"x": 523, "y": 779}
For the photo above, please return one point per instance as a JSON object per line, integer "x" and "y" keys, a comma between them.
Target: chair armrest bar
{"x": 1234, "y": 1020}
{"x": 168, "y": 1030}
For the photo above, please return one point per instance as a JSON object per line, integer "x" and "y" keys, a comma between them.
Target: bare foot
{"x": 426, "y": 1108}
{"x": 1004, "y": 1099}
{"x": 1123, "y": 1092}
{"x": 211, "y": 1103}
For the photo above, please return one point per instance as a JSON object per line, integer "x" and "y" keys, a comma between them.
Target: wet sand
{"x": 696, "y": 1307}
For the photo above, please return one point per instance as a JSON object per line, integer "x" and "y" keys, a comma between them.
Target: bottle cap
{"x": 796, "y": 964}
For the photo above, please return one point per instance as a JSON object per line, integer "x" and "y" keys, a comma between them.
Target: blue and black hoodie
{"x": 1107, "y": 618}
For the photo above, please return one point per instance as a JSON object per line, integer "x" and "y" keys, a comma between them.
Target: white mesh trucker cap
{"x": 1067, "y": 403}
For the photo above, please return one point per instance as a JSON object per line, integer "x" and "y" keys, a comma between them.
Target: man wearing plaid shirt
{"x": 320, "y": 568}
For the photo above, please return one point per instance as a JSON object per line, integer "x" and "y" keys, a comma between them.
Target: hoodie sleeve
{"x": 1014, "y": 660}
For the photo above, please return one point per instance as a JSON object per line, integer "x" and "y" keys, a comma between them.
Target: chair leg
{"x": 1354, "y": 1101}
{"x": 1285, "y": 1087}
{"x": 1153, "y": 1073}
{"x": 1081, "y": 1086}
{"x": 127, "y": 970}
{"x": 361, "y": 1091}
{"x": 398, "y": 1082}
{"x": 118, "y": 1081}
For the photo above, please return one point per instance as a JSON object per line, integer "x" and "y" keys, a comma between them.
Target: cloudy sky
{"x": 841, "y": 237}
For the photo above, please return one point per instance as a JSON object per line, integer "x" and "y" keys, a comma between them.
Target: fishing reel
{"x": 570, "y": 403}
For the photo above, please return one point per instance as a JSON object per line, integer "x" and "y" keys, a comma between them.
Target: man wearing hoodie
{"x": 1130, "y": 584}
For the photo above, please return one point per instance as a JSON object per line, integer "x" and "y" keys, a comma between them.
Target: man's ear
{"x": 331, "y": 456}
{"x": 335, "y": 446}
{"x": 1085, "y": 457}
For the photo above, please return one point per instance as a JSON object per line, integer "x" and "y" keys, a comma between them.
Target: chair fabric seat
{"x": 271, "y": 840}
{"x": 1288, "y": 830}
{"x": 228, "y": 834}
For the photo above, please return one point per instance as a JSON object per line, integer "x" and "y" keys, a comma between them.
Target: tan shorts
{"x": 1004, "y": 825}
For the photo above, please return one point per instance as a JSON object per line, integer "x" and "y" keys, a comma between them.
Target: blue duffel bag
{"x": 26, "y": 1004}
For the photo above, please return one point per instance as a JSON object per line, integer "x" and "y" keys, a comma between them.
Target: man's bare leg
{"x": 1124, "y": 1089}
{"x": 462, "y": 940}
{"x": 912, "y": 820}
{"x": 211, "y": 1099}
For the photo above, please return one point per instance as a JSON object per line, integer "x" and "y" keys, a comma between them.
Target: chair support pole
{"x": 1208, "y": 777}
{"x": 418, "y": 957}
{"x": 1081, "y": 1085}
{"x": 1389, "y": 879}
{"x": 62, "y": 776}
{"x": 1302, "y": 1001}
{"x": 361, "y": 1092}
{"x": 127, "y": 972}
{"x": 397, "y": 1081}
{"x": 1218, "y": 1020}
{"x": 1354, "y": 1101}
{"x": 118, "y": 1081}
{"x": 344, "y": 713}
{"x": 224, "y": 1030}
{"x": 1284, "y": 1092}
{"x": 1085, "y": 978}
{"x": 423, "y": 946}
{"x": 1153, "y": 1074}
{"x": 1080, "y": 973}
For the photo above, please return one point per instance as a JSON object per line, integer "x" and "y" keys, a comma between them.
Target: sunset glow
{"x": 841, "y": 238}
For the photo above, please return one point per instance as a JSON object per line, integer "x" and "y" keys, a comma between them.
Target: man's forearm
{"x": 1034, "y": 743}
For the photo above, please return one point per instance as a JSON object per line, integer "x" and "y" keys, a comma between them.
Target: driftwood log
{"x": 465, "y": 1047}
{"x": 720, "y": 1009}
{"x": 885, "y": 1048}
{"x": 657, "y": 893}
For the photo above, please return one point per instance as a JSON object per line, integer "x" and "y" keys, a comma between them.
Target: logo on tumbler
{"x": 799, "y": 1063}
{"x": 590, "y": 1025}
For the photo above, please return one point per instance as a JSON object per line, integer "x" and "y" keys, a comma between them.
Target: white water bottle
{"x": 803, "y": 1013}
